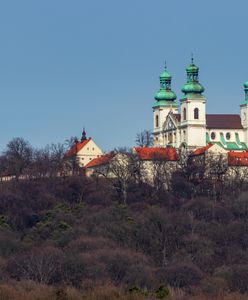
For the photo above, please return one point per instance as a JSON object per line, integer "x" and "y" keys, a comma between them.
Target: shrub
{"x": 182, "y": 275}
{"x": 214, "y": 285}
{"x": 73, "y": 270}
{"x": 162, "y": 292}
{"x": 238, "y": 279}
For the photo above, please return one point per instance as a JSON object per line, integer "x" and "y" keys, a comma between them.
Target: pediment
{"x": 169, "y": 124}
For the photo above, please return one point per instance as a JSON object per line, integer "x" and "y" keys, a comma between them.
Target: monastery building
{"x": 187, "y": 125}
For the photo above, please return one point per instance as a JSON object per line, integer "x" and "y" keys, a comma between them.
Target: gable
{"x": 83, "y": 148}
{"x": 210, "y": 148}
{"x": 78, "y": 146}
{"x": 216, "y": 149}
{"x": 90, "y": 147}
{"x": 169, "y": 124}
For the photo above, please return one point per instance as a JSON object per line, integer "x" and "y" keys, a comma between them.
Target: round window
{"x": 228, "y": 135}
{"x": 213, "y": 135}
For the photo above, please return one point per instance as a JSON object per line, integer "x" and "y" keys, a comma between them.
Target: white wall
{"x": 195, "y": 137}
{"x": 195, "y": 129}
{"x": 89, "y": 152}
{"x": 162, "y": 113}
{"x": 190, "y": 105}
{"x": 225, "y": 131}
{"x": 244, "y": 120}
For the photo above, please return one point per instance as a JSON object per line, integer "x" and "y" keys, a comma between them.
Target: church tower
{"x": 244, "y": 113}
{"x": 193, "y": 110}
{"x": 165, "y": 102}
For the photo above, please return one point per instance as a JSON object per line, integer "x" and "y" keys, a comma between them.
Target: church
{"x": 187, "y": 125}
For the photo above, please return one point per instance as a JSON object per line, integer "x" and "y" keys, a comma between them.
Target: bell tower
{"x": 165, "y": 102}
{"x": 244, "y": 113}
{"x": 193, "y": 110}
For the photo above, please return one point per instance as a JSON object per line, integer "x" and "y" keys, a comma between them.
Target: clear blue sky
{"x": 68, "y": 64}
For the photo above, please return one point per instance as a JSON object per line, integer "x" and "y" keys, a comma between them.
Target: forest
{"x": 72, "y": 237}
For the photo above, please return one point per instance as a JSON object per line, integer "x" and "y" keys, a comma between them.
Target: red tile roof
{"x": 157, "y": 153}
{"x": 201, "y": 151}
{"x": 238, "y": 158}
{"x": 178, "y": 117}
{"x": 223, "y": 122}
{"x": 100, "y": 161}
{"x": 77, "y": 147}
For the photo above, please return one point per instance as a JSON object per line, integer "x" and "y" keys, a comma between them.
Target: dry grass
{"x": 31, "y": 291}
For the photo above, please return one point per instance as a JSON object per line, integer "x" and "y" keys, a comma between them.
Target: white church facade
{"x": 187, "y": 124}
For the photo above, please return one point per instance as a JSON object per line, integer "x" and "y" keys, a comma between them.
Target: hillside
{"x": 74, "y": 233}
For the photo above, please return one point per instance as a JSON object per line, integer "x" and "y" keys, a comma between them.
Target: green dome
{"x": 192, "y": 69}
{"x": 192, "y": 87}
{"x": 246, "y": 84}
{"x": 163, "y": 103}
{"x": 165, "y": 75}
{"x": 166, "y": 95}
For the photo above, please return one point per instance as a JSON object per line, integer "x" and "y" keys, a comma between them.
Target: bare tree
{"x": 216, "y": 167}
{"x": 48, "y": 162}
{"x": 41, "y": 165}
{"x": 19, "y": 155}
{"x": 41, "y": 265}
{"x": 119, "y": 172}
{"x": 3, "y": 165}
{"x": 57, "y": 154}
{"x": 161, "y": 170}
{"x": 144, "y": 139}
{"x": 70, "y": 142}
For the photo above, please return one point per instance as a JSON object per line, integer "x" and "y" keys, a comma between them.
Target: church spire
{"x": 192, "y": 86}
{"x": 165, "y": 93}
{"x": 246, "y": 91}
{"x": 84, "y": 138}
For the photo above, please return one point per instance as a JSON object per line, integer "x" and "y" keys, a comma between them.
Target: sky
{"x": 65, "y": 65}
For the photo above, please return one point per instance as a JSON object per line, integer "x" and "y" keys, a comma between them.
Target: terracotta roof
{"x": 178, "y": 117}
{"x": 77, "y": 147}
{"x": 223, "y": 122}
{"x": 201, "y": 151}
{"x": 157, "y": 153}
{"x": 100, "y": 161}
{"x": 238, "y": 158}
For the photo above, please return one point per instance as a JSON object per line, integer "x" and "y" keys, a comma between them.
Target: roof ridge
{"x": 222, "y": 115}
{"x": 77, "y": 147}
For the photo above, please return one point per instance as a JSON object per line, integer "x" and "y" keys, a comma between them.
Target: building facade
{"x": 186, "y": 124}
{"x": 83, "y": 151}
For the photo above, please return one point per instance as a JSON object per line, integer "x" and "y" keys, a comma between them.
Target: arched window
{"x": 184, "y": 113}
{"x": 156, "y": 122}
{"x": 196, "y": 113}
